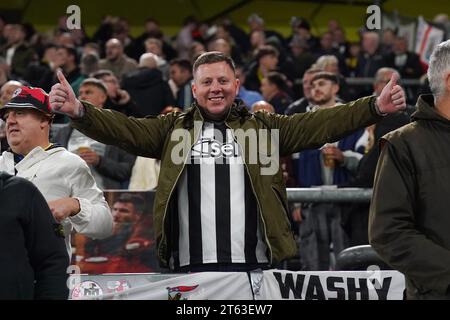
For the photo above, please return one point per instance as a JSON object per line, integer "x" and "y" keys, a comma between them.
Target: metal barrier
{"x": 329, "y": 194}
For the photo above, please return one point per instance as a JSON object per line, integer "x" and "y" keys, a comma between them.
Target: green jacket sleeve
{"x": 392, "y": 223}
{"x": 313, "y": 129}
{"x": 143, "y": 137}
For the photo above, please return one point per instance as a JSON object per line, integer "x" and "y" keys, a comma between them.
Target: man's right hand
{"x": 63, "y": 100}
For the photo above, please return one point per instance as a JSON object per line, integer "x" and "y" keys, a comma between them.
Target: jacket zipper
{"x": 256, "y": 196}
{"x": 171, "y": 191}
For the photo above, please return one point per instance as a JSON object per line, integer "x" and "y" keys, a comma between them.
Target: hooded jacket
{"x": 148, "y": 89}
{"x": 409, "y": 219}
{"x": 164, "y": 136}
{"x": 33, "y": 259}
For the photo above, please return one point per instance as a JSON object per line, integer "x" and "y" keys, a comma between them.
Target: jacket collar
{"x": 238, "y": 111}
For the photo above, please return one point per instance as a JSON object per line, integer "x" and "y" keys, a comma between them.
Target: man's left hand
{"x": 90, "y": 156}
{"x": 392, "y": 98}
{"x": 63, "y": 208}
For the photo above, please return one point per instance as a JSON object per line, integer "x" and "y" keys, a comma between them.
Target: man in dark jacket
{"x": 147, "y": 87}
{"x": 221, "y": 205}
{"x": 409, "y": 216}
{"x": 33, "y": 255}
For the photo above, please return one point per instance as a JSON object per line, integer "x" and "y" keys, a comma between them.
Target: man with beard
{"x": 333, "y": 164}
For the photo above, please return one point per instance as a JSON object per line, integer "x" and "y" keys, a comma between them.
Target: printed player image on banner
{"x": 131, "y": 247}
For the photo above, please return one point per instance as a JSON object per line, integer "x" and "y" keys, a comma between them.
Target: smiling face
{"x": 215, "y": 87}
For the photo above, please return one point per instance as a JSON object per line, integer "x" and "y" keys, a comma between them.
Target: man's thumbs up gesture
{"x": 392, "y": 98}
{"x": 63, "y": 100}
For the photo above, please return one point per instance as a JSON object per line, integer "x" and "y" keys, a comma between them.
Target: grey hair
{"x": 326, "y": 60}
{"x": 382, "y": 71}
{"x": 439, "y": 66}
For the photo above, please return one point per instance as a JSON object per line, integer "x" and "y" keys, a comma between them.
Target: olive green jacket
{"x": 159, "y": 137}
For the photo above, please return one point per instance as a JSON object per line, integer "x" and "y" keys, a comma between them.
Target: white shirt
{"x": 58, "y": 173}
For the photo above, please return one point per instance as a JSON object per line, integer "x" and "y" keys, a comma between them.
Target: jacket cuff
{"x": 80, "y": 217}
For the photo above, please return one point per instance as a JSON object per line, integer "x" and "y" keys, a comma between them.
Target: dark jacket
{"x": 409, "y": 218}
{"x": 148, "y": 89}
{"x": 33, "y": 258}
{"x": 115, "y": 166}
{"x": 152, "y": 137}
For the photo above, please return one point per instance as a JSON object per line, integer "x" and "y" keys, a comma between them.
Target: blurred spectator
{"x": 406, "y": 62}
{"x": 91, "y": 47}
{"x": 370, "y": 59}
{"x": 302, "y": 57}
{"x": 351, "y": 61}
{"x": 197, "y": 48}
{"x": 387, "y": 42}
{"x": 116, "y": 60}
{"x": 118, "y": 99}
{"x": 330, "y": 63}
{"x": 154, "y": 45}
{"x": 266, "y": 60}
{"x": 255, "y": 22}
{"x": 89, "y": 64}
{"x": 224, "y": 46}
{"x": 147, "y": 87}
{"x": 184, "y": 38}
{"x": 340, "y": 42}
{"x": 356, "y": 215}
{"x": 275, "y": 91}
{"x": 248, "y": 96}
{"x": 16, "y": 51}
{"x": 262, "y": 106}
{"x": 301, "y": 104}
{"x": 110, "y": 166}
{"x": 7, "y": 90}
{"x": 302, "y": 29}
{"x": 153, "y": 30}
{"x": 257, "y": 40}
{"x": 181, "y": 76}
{"x": 333, "y": 164}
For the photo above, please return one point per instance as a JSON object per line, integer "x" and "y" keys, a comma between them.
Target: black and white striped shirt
{"x": 218, "y": 219}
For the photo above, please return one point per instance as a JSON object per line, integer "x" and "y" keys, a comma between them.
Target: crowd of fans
{"x": 151, "y": 74}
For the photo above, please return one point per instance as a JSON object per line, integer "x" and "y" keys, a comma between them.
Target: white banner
{"x": 195, "y": 286}
{"x": 332, "y": 285}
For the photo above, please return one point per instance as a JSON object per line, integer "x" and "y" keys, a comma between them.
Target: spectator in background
{"x": 116, "y": 60}
{"x": 118, "y": 99}
{"x": 63, "y": 178}
{"x": 275, "y": 91}
{"x": 262, "y": 106}
{"x": 302, "y": 29}
{"x": 266, "y": 60}
{"x": 406, "y": 62}
{"x": 301, "y": 56}
{"x": 248, "y": 96}
{"x": 388, "y": 41}
{"x": 16, "y": 51}
{"x": 110, "y": 166}
{"x": 255, "y": 22}
{"x": 147, "y": 87}
{"x": 155, "y": 46}
{"x": 370, "y": 59}
{"x": 34, "y": 261}
{"x": 330, "y": 63}
{"x": 184, "y": 38}
{"x": 181, "y": 76}
{"x": 333, "y": 164}
{"x": 356, "y": 215}
{"x": 7, "y": 90}
{"x": 300, "y": 105}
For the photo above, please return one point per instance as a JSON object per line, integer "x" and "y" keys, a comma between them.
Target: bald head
{"x": 7, "y": 91}
{"x": 148, "y": 60}
{"x": 263, "y": 106}
{"x": 382, "y": 77}
{"x": 114, "y": 49}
